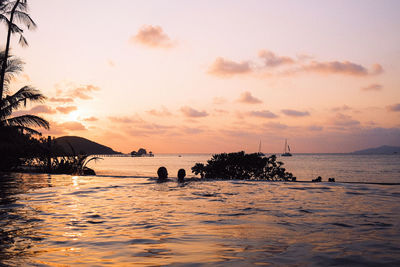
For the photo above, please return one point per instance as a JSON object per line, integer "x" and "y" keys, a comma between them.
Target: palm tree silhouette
{"x": 11, "y": 11}
{"x": 11, "y": 103}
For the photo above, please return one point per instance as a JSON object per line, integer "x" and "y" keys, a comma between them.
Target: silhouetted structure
{"x": 162, "y": 174}
{"x": 332, "y": 180}
{"x": 181, "y": 175}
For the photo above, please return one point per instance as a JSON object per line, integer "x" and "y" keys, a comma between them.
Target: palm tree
{"x": 10, "y": 10}
{"x": 11, "y": 103}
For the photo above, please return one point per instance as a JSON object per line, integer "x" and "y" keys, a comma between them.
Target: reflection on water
{"x": 71, "y": 220}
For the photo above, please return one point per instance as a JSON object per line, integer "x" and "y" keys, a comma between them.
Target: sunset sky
{"x": 217, "y": 76}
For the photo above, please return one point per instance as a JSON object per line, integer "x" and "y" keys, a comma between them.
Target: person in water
{"x": 181, "y": 175}
{"x": 162, "y": 174}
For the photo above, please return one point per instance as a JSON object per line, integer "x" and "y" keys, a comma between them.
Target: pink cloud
{"x": 125, "y": 119}
{"x": 66, "y": 110}
{"x": 394, "y": 107}
{"x": 225, "y": 67}
{"x": 193, "y": 113}
{"x": 41, "y": 109}
{"x": 342, "y": 67}
{"x": 152, "y": 36}
{"x": 295, "y": 113}
{"x": 263, "y": 114}
{"x": 272, "y": 60}
{"x": 247, "y": 98}
{"x": 344, "y": 120}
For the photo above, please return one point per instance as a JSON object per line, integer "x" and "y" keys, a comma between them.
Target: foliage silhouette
{"x": 240, "y": 165}
{"x": 10, "y": 12}
{"x": 11, "y": 103}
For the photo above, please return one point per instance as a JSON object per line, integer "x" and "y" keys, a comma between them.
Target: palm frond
{"x": 28, "y": 120}
{"x": 27, "y": 130}
{"x": 25, "y": 19}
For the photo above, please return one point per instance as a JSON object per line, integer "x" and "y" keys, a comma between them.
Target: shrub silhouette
{"x": 240, "y": 165}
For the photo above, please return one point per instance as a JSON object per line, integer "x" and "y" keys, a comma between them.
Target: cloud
{"x": 344, "y": 120}
{"x": 315, "y": 128}
{"x": 189, "y": 130}
{"x": 263, "y": 114}
{"x": 295, "y": 113}
{"x": 160, "y": 113}
{"x": 225, "y": 67}
{"x": 289, "y": 66}
{"x": 61, "y": 99}
{"x": 125, "y": 119}
{"x": 272, "y": 60}
{"x": 73, "y": 126}
{"x": 192, "y": 113}
{"x": 91, "y": 119}
{"x": 41, "y": 109}
{"x": 247, "y": 98}
{"x": 82, "y": 92}
{"x": 344, "y": 67}
{"x": 152, "y": 36}
{"x": 394, "y": 107}
{"x": 66, "y": 110}
{"x": 372, "y": 87}
{"x": 341, "y": 108}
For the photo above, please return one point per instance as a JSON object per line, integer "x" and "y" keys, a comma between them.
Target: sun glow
{"x": 73, "y": 116}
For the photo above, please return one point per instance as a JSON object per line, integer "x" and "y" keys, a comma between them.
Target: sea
{"x": 123, "y": 217}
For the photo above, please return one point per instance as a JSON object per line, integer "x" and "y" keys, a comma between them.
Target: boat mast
{"x": 259, "y": 147}
{"x": 285, "y": 146}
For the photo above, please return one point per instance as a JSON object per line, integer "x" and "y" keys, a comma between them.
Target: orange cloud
{"x": 91, "y": 119}
{"x": 272, "y": 60}
{"x": 83, "y": 92}
{"x": 224, "y": 67}
{"x": 295, "y": 113}
{"x": 66, "y": 110}
{"x": 159, "y": 113}
{"x": 73, "y": 126}
{"x": 247, "y": 98}
{"x": 372, "y": 87}
{"x": 125, "y": 119}
{"x": 152, "y": 36}
{"x": 192, "y": 113}
{"x": 394, "y": 107}
{"x": 61, "y": 99}
{"x": 263, "y": 114}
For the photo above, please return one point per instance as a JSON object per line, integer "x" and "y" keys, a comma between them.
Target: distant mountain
{"x": 83, "y": 146}
{"x": 382, "y": 150}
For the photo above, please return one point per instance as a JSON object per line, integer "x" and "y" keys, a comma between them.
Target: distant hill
{"x": 83, "y": 146}
{"x": 382, "y": 150}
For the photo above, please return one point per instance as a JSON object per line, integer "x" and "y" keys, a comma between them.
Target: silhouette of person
{"x": 162, "y": 174}
{"x": 181, "y": 175}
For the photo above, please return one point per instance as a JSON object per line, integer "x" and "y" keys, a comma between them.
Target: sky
{"x": 217, "y": 76}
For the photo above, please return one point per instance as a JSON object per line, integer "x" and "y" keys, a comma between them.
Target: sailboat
{"x": 259, "y": 150}
{"x": 286, "y": 152}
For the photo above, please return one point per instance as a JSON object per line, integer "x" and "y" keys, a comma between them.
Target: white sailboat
{"x": 286, "y": 152}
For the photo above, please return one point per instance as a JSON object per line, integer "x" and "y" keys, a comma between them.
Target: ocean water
{"x": 122, "y": 217}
